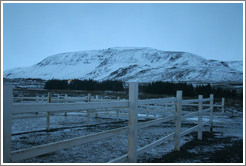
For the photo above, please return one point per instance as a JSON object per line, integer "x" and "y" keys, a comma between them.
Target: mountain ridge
{"x": 143, "y": 64}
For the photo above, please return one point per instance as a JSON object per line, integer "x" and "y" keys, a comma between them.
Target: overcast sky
{"x": 32, "y": 32}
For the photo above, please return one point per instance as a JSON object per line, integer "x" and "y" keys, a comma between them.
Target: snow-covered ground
{"x": 29, "y": 132}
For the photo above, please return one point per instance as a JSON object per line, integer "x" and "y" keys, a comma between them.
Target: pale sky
{"x": 34, "y": 31}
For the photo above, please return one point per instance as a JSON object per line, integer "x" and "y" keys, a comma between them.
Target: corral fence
{"x": 64, "y": 98}
{"x": 205, "y": 105}
{"x": 59, "y": 98}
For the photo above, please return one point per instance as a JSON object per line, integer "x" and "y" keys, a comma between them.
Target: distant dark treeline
{"x": 170, "y": 88}
{"x": 91, "y": 85}
{"x": 158, "y": 87}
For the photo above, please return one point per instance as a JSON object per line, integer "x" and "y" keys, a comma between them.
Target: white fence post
{"x": 200, "y": 107}
{"x": 178, "y": 119}
{"x": 154, "y": 112}
{"x": 65, "y": 96}
{"x": 89, "y": 97}
{"x": 132, "y": 132}
{"x": 117, "y": 115}
{"x": 22, "y": 98}
{"x": 7, "y": 118}
{"x": 47, "y": 121}
{"x": 223, "y": 112}
{"x": 88, "y": 117}
{"x": 49, "y": 97}
{"x": 37, "y": 98}
{"x": 96, "y": 114}
{"x": 48, "y": 114}
{"x": 223, "y": 107}
{"x": 148, "y": 111}
{"x": 117, "y": 111}
{"x": 43, "y": 98}
{"x": 211, "y": 112}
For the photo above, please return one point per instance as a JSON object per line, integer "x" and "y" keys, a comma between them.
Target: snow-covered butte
{"x": 141, "y": 64}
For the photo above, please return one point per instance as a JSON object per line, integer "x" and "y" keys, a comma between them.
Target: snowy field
{"x": 29, "y": 130}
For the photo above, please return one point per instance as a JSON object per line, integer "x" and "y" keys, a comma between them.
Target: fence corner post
{"x": 200, "y": 107}
{"x": 211, "y": 113}
{"x": 7, "y": 121}
{"x": 132, "y": 132}
{"x": 178, "y": 119}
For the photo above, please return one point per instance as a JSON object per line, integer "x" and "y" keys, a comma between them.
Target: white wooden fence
{"x": 9, "y": 107}
{"x": 59, "y": 98}
{"x": 64, "y": 98}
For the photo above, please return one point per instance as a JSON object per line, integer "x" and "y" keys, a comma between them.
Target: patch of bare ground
{"x": 212, "y": 149}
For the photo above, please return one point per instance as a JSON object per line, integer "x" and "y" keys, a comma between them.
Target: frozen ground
{"x": 29, "y": 132}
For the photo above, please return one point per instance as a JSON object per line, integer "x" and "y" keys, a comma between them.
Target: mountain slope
{"x": 135, "y": 64}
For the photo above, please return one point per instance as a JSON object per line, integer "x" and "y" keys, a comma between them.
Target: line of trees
{"x": 170, "y": 88}
{"x": 90, "y": 84}
{"x": 157, "y": 87}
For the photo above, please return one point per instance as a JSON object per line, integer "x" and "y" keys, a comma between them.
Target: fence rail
{"x": 56, "y": 98}
{"x": 68, "y": 107}
{"x": 133, "y": 103}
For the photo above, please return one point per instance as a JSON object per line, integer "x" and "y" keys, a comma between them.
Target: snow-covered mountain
{"x": 131, "y": 64}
